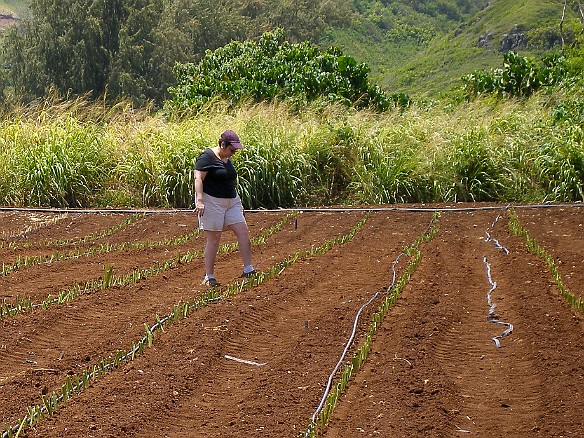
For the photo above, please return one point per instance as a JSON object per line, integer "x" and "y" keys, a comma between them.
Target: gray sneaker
{"x": 248, "y": 274}
{"x": 211, "y": 282}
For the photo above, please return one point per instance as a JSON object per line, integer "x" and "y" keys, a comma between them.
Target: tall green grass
{"x": 79, "y": 154}
{"x": 64, "y": 163}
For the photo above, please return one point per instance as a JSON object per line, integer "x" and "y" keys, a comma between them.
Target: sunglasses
{"x": 231, "y": 148}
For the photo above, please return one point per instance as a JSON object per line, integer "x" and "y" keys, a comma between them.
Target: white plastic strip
{"x": 492, "y": 315}
{"x": 247, "y": 362}
{"x": 495, "y": 241}
{"x": 354, "y": 330}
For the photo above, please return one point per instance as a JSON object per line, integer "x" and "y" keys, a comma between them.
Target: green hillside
{"x": 427, "y": 67}
{"x": 17, "y": 7}
{"x": 389, "y": 35}
{"x": 532, "y": 24}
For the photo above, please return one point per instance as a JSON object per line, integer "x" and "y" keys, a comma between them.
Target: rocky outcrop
{"x": 513, "y": 40}
{"x": 486, "y": 41}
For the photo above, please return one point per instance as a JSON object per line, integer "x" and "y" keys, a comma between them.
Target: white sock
{"x": 247, "y": 269}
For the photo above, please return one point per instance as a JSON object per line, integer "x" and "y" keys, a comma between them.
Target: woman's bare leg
{"x": 211, "y": 248}
{"x": 242, "y": 233}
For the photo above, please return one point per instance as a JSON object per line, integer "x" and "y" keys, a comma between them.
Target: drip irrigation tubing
{"x": 492, "y": 315}
{"x": 489, "y": 238}
{"x": 298, "y": 209}
{"x": 351, "y": 338}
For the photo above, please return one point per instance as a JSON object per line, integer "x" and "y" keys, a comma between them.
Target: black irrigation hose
{"x": 299, "y": 209}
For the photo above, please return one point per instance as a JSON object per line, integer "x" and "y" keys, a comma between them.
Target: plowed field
{"x": 82, "y": 291}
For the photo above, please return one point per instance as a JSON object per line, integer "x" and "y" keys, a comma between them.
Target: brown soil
{"x": 257, "y": 364}
{"x": 7, "y": 19}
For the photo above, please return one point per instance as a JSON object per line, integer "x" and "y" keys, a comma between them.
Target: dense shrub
{"x": 65, "y": 164}
{"x": 273, "y": 68}
{"x": 520, "y": 76}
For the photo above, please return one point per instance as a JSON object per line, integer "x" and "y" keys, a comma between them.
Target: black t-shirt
{"x": 221, "y": 176}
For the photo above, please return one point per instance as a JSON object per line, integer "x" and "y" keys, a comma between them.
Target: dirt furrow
{"x": 38, "y": 348}
{"x": 53, "y": 228}
{"x": 257, "y": 364}
{"x": 38, "y": 281}
{"x": 16, "y": 226}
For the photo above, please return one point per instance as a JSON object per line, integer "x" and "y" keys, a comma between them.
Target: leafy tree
{"x": 274, "y": 68}
{"x": 127, "y": 47}
{"x": 132, "y": 74}
{"x": 302, "y": 19}
{"x": 65, "y": 44}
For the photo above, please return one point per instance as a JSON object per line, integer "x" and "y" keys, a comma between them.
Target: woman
{"x": 218, "y": 205}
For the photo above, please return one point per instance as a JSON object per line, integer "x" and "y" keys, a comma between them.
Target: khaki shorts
{"x": 220, "y": 213}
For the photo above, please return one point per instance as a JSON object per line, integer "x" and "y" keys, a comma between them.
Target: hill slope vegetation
{"x": 421, "y": 48}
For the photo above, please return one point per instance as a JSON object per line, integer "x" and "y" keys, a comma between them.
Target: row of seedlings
{"x": 103, "y": 248}
{"x": 8, "y": 237}
{"x": 27, "y": 261}
{"x": 534, "y": 247}
{"x": 75, "y": 241}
